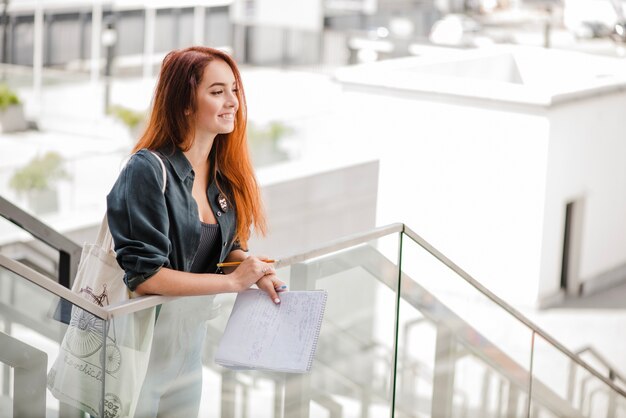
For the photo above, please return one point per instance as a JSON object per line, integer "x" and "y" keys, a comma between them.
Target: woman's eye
{"x": 235, "y": 90}
{"x": 215, "y": 93}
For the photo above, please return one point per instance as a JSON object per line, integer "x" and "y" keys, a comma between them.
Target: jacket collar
{"x": 177, "y": 159}
{"x": 180, "y": 163}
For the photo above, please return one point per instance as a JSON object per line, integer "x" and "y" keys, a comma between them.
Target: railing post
{"x": 64, "y": 269}
{"x": 298, "y": 387}
{"x": 229, "y": 394}
{"x": 486, "y": 389}
{"x": 279, "y": 398}
{"x": 512, "y": 401}
{"x": 443, "y": 379}
{"x": 297, "y": 396}
{"x": 29, "y": 365}
{"x": 69, "y": 251}
{"x": 571, "y": 384}
{"x": 612, "y": 408}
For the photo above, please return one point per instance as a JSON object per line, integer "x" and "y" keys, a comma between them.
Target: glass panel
{"x": 39, "y": 351}
{"x": 130, "y": 344}
{"x": 459, "y": 353}
{"x": 564, "y": 388}
{"x": 354, "y": 358}
{"x": 23, "y": 247}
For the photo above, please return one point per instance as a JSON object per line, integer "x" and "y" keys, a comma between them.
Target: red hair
{"x": 179, "y": 79}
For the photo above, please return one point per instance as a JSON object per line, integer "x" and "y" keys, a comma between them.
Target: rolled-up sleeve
{"x": 137, "y": 216}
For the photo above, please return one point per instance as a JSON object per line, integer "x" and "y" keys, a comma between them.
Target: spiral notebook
{"x": 276, "y": 337}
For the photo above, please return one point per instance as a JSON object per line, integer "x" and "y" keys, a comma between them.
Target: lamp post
{"x": 5, "y": 31}
{"x": 108, "y": 39}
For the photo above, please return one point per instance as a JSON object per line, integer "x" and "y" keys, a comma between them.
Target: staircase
{"x": 406, "y": 334}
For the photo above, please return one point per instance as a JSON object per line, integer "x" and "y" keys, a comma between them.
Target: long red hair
{"x": 180, "y": 76}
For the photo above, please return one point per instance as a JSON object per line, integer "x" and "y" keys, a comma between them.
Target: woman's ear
{"x": 187, "y": 112}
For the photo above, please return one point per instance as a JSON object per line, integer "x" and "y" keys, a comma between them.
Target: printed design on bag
{"x": 84, "y": 338}
{"x": 83, "y": 367}
{"x": 84, "y": 335}
{"x": 114, "y": 358}
{"x": 112, "y": 406}
{"x": 97, "y": 299}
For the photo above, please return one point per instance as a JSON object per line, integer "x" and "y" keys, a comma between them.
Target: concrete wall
{"x": 307, "y": 205}
{"x": 315, "y": 207}
{"x": 483, "y": 162}
{"x": 468, "y": 177}
{"x": 488, "y": 184}
{"x": 586, "y": 163}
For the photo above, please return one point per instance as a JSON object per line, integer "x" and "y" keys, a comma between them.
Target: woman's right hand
{"x": 248, "y": 273}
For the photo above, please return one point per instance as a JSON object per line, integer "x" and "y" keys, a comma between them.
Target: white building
{"x": 511, "y": 160}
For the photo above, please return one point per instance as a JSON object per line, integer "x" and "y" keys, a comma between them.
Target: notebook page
{"x": 264, "y": 335}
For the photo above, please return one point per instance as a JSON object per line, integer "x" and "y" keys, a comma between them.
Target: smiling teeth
{"x": 228, "y": 116}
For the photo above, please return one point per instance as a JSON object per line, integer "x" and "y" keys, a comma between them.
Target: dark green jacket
{"x": 151, "y": 229}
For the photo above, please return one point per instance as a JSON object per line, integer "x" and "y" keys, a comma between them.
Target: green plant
{"x": 7, "y": 97}
{"x": 264, "y": 142}
{"x": 272, "y": 133}
{"x": 129, "y": 117}
{"x": 39, "y": 174}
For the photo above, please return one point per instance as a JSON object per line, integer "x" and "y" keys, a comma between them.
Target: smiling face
{"x": 216, "y": 100}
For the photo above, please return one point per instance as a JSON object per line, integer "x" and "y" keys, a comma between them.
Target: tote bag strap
{"x": 105, "y": 240}
{"x": 162, "y": 168}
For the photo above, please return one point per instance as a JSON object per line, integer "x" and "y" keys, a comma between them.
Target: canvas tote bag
{"x": 76, "y": 376}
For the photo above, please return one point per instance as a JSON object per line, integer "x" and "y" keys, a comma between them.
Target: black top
{"x": 208, "y": 254}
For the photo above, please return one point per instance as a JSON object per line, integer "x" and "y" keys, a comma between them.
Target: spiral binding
{"x": 317, "y": 330}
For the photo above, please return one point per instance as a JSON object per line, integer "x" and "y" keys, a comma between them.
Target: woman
{"x": 169, "y": 242}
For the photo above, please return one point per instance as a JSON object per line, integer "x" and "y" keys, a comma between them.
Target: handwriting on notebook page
{"x": 273, "y": 336}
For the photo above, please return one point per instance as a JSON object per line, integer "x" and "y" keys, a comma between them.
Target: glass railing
{"x": 406, "y": 333}
{"x": 34, "y": 243}
{"x": 486, "y": 359}
{"x": 460, "y": 353}
{"x": 33, "y": 339}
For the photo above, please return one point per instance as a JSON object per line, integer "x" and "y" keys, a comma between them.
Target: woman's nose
{"x": 232, "y": 100}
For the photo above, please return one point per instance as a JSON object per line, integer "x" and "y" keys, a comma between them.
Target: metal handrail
{"x": 613, "y": 374}
{"x": 135, "y": 305}
{"x": 52, "y": 286}
{"x": 508, "y": 308}
{"x": 342, "y": 244}
{"x": 144, "y": 302}
{"x": 69, "y": 251}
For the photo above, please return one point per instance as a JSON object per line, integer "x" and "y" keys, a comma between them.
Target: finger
{"x": 266, "y": 270}
{"x": 279, "y": 285}
{"x": 268, "y": 287}
{"x": 263, "y": 271}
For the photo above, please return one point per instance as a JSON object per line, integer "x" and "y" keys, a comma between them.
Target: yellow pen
{"x": 236, "y": 263}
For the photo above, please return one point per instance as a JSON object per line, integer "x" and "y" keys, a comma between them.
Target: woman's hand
{"x": 247, "y": 273}
{"x": 253, "y": 270}
{"x": 271, "y": 285}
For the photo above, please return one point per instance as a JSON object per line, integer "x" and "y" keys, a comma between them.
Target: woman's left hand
{"x": 271, "y": 285}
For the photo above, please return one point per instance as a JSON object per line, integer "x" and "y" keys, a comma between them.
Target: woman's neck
{"x": 198, "y": 154}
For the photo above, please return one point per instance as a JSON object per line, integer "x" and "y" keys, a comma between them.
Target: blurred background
{"x": 492, "y": 128}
